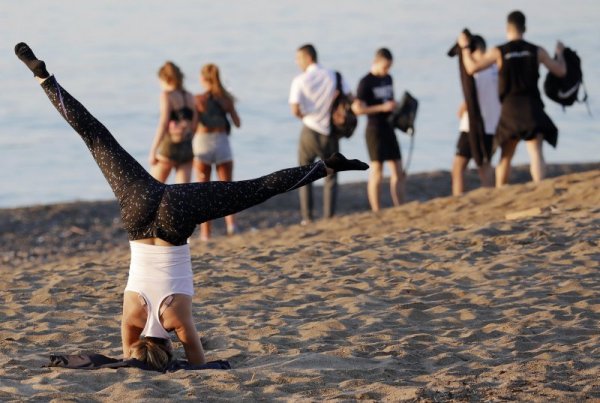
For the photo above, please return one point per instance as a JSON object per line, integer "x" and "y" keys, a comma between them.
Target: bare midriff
{"x": 205, "y": 130}
{"x": 154, "y": 241}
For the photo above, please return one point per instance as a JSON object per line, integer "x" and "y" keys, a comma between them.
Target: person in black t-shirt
{"x": 375, "y": 98}
{"x": 522, "y": 116}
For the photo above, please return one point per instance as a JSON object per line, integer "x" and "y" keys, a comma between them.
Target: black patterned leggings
{"x": 151, "y": 209}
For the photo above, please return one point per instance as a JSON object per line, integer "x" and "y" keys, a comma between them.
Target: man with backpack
{"x": 375, "y": 98}
{"x": 312, "y": 94}
{"x": 522, "y": 116}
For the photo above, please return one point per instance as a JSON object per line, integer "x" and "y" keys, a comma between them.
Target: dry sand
{"x": 437, "y": 300}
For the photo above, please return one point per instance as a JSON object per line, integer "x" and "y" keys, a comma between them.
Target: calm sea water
{"x": 107, "y": 53}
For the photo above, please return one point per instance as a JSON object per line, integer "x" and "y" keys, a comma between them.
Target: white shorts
{"x": 212, "y": 148}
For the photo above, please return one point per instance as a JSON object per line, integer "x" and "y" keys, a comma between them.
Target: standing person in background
{"x": 375, "y": 98}
{"x": 211, "y": 142}
{"x": 172, "y": 145}
{"x": 486, "y": 83}
{"x": 311, "y": 95}
{"x": 522, "y": 116}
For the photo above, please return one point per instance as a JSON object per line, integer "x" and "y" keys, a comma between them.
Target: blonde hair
{"x": 210, "y": 72}
{"x": 152, "y": 351}
{"x": 171, "y": 73}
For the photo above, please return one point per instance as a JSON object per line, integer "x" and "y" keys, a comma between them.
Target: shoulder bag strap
{"x": 338, "y": 82}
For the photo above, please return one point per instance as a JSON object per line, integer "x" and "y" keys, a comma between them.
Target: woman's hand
{"x": 152, "y": 158}
{"x": 560, "y": 47}
{"x": 463, "y": 40}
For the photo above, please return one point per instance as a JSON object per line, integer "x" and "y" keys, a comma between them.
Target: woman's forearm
{"x": 190, "y": 340}
{"x": 161, "y": 131}
{"x": 235, "y": 118}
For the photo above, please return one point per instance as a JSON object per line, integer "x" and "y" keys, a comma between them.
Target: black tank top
{"x": 214, "y": 115}
{"x": 520, "y": 70}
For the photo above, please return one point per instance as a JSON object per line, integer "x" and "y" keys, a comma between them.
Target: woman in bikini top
{"x": 172, "y": 145}
{"x": 181, "y": 117}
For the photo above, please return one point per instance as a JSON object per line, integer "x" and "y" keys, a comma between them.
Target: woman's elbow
{"x": 470, "y": 69}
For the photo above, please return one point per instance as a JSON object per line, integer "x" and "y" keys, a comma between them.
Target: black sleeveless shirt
{"x": 522, "y": 115}
{"x": 520, "y": 70}
{"x": 214, "y": 115}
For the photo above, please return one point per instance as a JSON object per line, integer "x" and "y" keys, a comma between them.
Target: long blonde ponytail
{"x": 210, "y": 72}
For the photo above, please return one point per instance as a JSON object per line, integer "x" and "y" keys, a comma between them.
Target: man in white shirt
{"x": 311, "y": 95}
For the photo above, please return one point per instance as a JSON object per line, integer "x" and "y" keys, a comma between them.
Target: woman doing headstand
{"x": 159, "y": 219}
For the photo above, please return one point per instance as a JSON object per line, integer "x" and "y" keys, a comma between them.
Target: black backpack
{"x": 403, "y": 116}
{"x": 565, "y": 90}
{"x": 343, "y": 120}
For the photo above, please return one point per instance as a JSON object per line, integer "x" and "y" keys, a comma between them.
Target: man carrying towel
{"x": 488, "y": 110}
{"x": 522, "y": 116}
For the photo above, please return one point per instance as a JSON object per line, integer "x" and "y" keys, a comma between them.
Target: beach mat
{"x": 97, "y": 361}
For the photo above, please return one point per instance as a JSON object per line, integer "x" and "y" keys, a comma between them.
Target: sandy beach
{"x": 491, "y": 296}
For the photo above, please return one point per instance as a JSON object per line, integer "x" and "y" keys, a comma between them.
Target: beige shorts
{"x": 212, "y": 148}
{"x": 180, "y": 153}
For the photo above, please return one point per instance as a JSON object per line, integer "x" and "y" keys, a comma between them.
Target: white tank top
{"x": 155, "y": 273}
{"x": 486, "y": 82}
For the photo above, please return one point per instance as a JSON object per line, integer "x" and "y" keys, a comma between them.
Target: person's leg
{"x": 203, "y": 172}
{"x": 486, "y": 175}
{"x": 183, "y": 173}
{"x": 537, "y": 164}
{"x": 137, "y": 192}
{"x": 486, "y": 171}
{"x": 397, "y": 182}
{"x": 115, "y": 163}
{"x": 225, "y": 174}
{"x": 200, "y": 202}
{"x": 503, "y": 168}
{"x": 161, "y": 170}
{"x": 460, "y": 163}
{"x": 458, "y": 171}
{"x": 374, "y": 183}
{"x": 307, "y": 152}
{"x": 330, "y": 145}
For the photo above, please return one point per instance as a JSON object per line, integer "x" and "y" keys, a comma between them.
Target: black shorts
{"x": 463, "y": 147}
{"x": 523, "y": 118}
{"x": 382, "y": 143}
